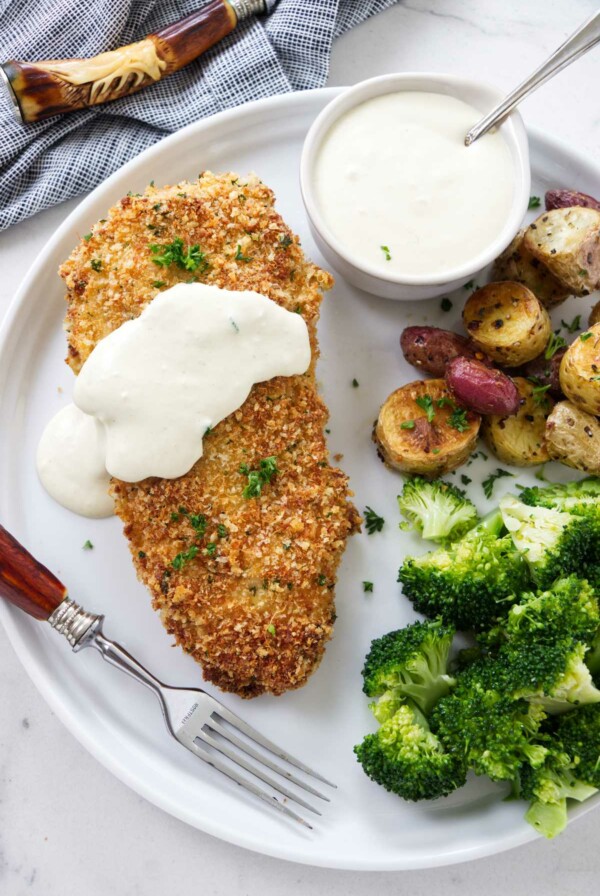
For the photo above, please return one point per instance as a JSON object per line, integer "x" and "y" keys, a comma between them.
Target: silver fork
{"x": 199, "y": 722}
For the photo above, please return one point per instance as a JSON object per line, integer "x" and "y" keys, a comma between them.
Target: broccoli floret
{"x": 438, "y": 510}
{"x": 406, "y": 758}
{"x": 592, "y": 657}
{"x": 563, "y": 496}
{"x": 409, "y": 663}
{"x": 579, "y": 732}
{"x": 470, "y": 583}
{"x": 552, "y": 675}
{"x": 488, "y": 730}
{"x": 554, "y": 542}
{"x": 568, "y": 606}
{"x": 549, "y": 786}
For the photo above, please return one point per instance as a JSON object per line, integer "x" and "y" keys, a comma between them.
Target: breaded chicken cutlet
{"x": 254, "y": 604}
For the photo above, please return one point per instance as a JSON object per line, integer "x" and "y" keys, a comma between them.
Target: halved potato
{"x": 573, "y": 437}
{"x": 567, "y": 241}
{"x": 594, "y": 317}
{"x": 580, "y": 371}
{"x": 518, "y": 264}
{"x": 421, "y": 430}
{"x": 507, "y": 322}
{"x": 520, "y": 439}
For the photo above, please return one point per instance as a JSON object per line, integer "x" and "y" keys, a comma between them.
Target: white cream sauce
{"x": 71, "y": 463}
{"x": 394, "y": 178}
{"x": 157, "y": 384}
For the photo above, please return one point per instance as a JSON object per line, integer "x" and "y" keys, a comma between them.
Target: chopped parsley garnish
{"x": 386, "y": 252}
{"x": 271, "y": 630}
{"x": 488, "y": 484}
{"x": 267, "y": 468}
{"x": 541, "y": 474}
{"x": 322, "y": 580}
{"x": 239, "y": 255}
{"x": 466, "y": 480}
{"x": 458, "y": 420}
{"x": 425, "y": 402}
{"x": 574, "y": 325}
{"x": 87, "y": 237}
{"x": 285, "y": 240}
{"x": 188, "y": 259}
{"x": 585, "y": 336}
{"x": 408, "y": 424}
{"x": 373, "y": 522}
{"x": 222, "y": 531}
{"x": 534, "y": 202}
{"x": 88, "y": 546}
{"x": 355, "y": 383}
{"x": 539, "y": 394}
{"x": 184, "y": 557}
{"x": 96, "y": 264}
{"x": 158, "y": 283}
{"x": 367, "y": 586}
{"x": 141, "y": 554}
{"x": 553, "y": 346}
{"x": 210, "y": 548}
{"x": 446, "y": 304}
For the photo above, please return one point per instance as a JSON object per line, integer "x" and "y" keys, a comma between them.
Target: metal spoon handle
{"x": 582, "y": 40}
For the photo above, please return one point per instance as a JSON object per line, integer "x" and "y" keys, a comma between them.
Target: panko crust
{"x": 256, "y": 610}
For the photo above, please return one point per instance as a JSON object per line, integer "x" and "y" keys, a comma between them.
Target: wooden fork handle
{"x": 24, "y": 582}
{"x": 54, "y": 86}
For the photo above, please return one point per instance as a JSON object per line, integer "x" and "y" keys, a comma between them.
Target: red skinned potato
{"x": 569, "y": 198}
{"x": 482, "y": 389}
{"x": 546, "y": 372}
{"x": 430, "y": 349}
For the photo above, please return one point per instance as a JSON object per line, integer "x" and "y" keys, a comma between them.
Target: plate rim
{"x": 8, "y": 616}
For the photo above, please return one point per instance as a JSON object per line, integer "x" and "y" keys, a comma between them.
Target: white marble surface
{"x": 67, "y": 827}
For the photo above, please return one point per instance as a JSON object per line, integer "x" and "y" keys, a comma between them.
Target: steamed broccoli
{"x": 552, "y": 675}
{"x": 406, "y": 758}
{"x": 438, "y": 510}
{"x": 568, "y": 606}
{"x": 563, "y": 496}
{"x": 470, "y": 583}
{"x": 579, "y": 732}
{"x": 592, "y": 657}
{"x": 549, "y": 786}
{"x": 554, "y": 542}
{"x": 409, "y": 663}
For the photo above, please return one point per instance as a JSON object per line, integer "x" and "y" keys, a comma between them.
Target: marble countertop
{"x": 67, "y": 827}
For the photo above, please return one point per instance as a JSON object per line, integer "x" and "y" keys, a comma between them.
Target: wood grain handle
{"x": 52, "y": 87}
{"x": 25, "y": 582}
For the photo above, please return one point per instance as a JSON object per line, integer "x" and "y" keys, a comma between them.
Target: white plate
{"x": 363, "y": 827}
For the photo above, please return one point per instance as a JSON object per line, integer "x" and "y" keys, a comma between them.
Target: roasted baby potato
{"x": 594, "y": 317}
{"x": 544, "y": 371}
{"x": 507, "y": 322}
{"x": 580, "y": 371}
{"x": 483, "y": 389}
{"x": 430, "y": 348}
{"x": 421, "y": 430}
{"x": 518, "y": 264}
{"x": 567, "y": 241}
{"x": 520, "y": 440}
{"x": 569, "y": 198}
{"x": 573, "y": 437}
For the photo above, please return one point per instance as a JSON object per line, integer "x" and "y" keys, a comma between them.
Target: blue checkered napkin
{"x": 43, "y": 163}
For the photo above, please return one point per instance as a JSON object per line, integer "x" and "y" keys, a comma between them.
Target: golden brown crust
{"x": 258, "y": 610}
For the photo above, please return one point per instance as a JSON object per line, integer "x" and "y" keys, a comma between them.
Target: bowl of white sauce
{"x": 396, "y": 202}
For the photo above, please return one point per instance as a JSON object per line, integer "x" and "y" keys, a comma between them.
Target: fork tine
{"x": 219, "y": 729}
{"x": 266, "y": 779}
{"x": 216, "y": 763}
{"x": 255, "y": 735}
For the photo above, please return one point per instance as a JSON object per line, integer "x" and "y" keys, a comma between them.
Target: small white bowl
{"x": 367, "y": 276}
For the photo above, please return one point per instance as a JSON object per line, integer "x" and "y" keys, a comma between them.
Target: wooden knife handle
{"x": 52, "y": 87}
{"x": 25, "y": 582}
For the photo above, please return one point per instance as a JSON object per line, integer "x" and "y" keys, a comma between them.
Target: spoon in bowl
{"x": 582, "y": 40}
